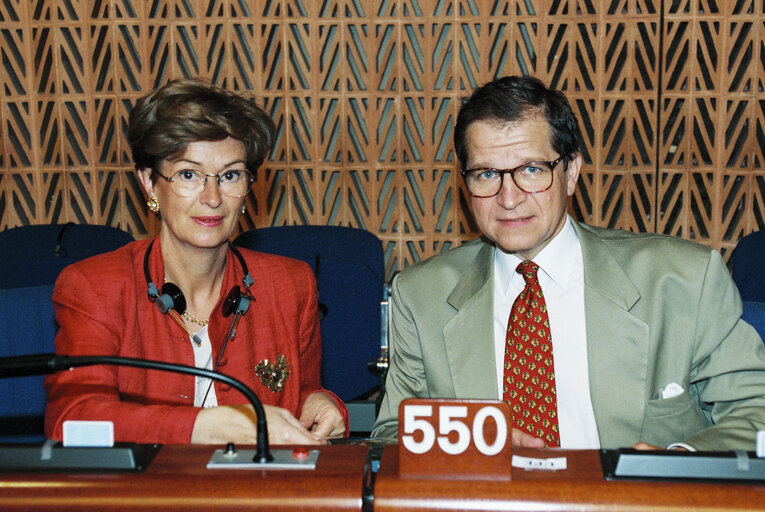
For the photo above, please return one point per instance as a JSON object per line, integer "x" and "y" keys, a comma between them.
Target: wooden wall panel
{"x": 364, "y": 95}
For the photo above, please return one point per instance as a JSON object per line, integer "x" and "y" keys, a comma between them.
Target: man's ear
{"x": 572, "y": 172}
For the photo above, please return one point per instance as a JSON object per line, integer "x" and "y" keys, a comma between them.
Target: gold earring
{"x": 153, "y": 204}
{"x": 244, "y": 208}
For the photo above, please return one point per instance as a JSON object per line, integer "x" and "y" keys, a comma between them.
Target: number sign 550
{"x": 453, "y": 418}
{"x": 455, "y": 439}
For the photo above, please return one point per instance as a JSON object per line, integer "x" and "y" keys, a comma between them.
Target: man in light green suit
{"x": 651, "y": 350}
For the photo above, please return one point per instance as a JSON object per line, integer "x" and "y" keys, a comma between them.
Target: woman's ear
{"x": 144, "y": 176}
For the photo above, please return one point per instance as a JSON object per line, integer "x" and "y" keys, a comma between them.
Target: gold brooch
{"x": 273, "y": 376}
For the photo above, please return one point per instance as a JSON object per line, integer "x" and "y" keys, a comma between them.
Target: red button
{"x": 300, "y": 453}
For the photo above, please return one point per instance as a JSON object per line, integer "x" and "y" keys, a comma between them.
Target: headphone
{"x": 171, "y": 299}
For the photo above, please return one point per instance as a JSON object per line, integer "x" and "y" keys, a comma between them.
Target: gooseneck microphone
{"x": 40, "y": 364}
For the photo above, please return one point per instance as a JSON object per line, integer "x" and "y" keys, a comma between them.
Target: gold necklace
{"x": 194, "y": 320}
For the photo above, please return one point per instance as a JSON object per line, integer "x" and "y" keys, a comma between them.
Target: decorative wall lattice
{"x": 669, "y": 95}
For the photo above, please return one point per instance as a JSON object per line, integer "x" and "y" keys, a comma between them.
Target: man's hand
{"x": 522, "y": 439}
{"x": 646, "y": 446}
{"x": 237, "y": 424}
{"x": 321, "y": 416}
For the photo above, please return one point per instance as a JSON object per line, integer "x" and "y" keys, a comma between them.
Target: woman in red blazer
{"x": 176, "y": 298}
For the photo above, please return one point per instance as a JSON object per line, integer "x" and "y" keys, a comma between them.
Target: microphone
{"x": 59, "y": 251}
{"x": 40, "y": 364}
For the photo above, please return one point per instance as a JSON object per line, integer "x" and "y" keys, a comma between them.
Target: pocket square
{"x": 671, "y": 390}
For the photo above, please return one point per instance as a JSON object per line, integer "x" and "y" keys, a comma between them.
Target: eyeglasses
{"x": 188, "y": 183}
{"x": 531, "y": 178}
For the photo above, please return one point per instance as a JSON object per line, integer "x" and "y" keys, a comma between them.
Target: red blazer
{"x": 102, "y": 307}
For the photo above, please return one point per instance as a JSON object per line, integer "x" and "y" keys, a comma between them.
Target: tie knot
{"x": 528, "y": 269}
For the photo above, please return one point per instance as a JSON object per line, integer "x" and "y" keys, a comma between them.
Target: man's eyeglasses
{"x": 532, "y": 178}
{"x": 188, "y": 183}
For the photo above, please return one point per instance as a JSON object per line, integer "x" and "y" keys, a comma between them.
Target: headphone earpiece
{"x": 235, "y": 302}
{"x": 171, "y": 298}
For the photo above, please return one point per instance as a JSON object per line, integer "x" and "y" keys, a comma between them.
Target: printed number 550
{"x": 416, "y": 417}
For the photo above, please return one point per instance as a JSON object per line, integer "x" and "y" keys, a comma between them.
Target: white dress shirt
{"x": 561, "y": 277}
{"x": 204, "y": 391}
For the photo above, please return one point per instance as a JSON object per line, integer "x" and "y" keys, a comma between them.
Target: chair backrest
{"x": 748, "y": 266}
{"x": 31, "y": 258}
{"x": 26, "y": 327}
{"x": 350, "y": 273}
{"x": 754, "y": 315}
{"x": 35, "y": 255}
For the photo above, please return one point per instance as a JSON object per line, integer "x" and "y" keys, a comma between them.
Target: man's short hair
{"x": 516, "y": 98}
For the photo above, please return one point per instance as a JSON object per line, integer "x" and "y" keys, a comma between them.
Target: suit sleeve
{"x": 406, "y": 372}
{"x": 728, "y": 366}
{"x": 89, "y": 319}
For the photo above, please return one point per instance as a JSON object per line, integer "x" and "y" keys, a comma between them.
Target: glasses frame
{"x": 512, "y": 172}
{"x": 171, "y": 179}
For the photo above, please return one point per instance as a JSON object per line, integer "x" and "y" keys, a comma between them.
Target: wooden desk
{"x": 177, "y": 479}
{"x": 580, "y": 487}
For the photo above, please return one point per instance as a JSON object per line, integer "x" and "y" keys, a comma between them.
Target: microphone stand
{"x": 39, "y": 364}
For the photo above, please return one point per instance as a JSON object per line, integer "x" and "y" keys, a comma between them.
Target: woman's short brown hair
{"x": 166, "y": 120}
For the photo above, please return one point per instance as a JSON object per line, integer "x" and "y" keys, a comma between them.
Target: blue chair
{"x": 35, "y": 255}
{"x": 748, "y": 266}
{"x": 31, "y": 258}
{"x": 27, "y": 327}
{"x": 350, "y": 274}
{"x": 754, "y": 315}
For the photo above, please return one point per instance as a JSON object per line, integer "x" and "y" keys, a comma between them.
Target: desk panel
{"x": 579, "y": 487}
{"x": 178, "y": 480}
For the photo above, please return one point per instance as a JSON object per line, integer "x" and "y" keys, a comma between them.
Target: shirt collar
{"x": 555, "y": 260}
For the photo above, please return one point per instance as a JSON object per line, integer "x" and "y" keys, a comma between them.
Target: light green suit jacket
{"x": 658, "y": 310}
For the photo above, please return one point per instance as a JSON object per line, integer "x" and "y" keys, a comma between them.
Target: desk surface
{"x": 580, "y": 487}
{"x": 177, "y": 479}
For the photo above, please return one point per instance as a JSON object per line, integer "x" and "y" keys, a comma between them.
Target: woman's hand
{"x": 237, "y": 424}
{"x": 321, "y": 416}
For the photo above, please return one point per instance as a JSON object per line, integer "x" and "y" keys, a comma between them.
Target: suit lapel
{"x": 469, "y": 335}
{"x": 617, "y": 343}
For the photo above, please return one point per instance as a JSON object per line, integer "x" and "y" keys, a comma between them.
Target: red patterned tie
{"x": 529, "y": 385}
